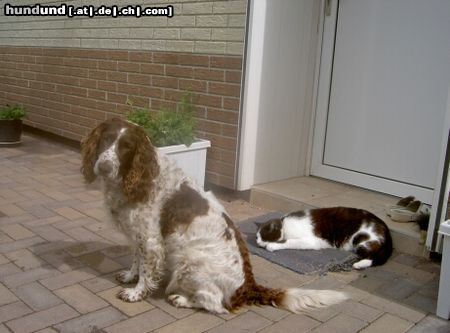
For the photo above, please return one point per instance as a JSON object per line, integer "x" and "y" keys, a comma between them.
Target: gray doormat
{"x": 300, "y": 261}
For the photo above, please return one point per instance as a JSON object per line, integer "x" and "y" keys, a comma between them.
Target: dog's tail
{"x": 292, "y": 299}
{"x": 298, "y": 299}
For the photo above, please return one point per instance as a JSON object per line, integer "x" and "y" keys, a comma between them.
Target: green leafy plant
{"x": 167, "y": 127}
{"x": 11, "y": 112}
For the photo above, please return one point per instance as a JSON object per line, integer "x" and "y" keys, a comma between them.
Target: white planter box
{"x": 192, "y": 159}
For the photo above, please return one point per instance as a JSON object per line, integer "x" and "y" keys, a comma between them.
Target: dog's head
{"x": 120, "y": 152}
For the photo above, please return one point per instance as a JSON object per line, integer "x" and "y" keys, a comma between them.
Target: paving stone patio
{"x": 59, "y": 254}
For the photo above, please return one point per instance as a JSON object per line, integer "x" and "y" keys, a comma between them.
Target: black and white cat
{"x": 350, "y": 229}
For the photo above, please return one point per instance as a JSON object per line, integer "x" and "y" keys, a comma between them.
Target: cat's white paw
{"x": 272, "y": 247}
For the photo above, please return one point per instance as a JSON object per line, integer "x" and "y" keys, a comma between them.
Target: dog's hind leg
{"x": 209, "y": 297}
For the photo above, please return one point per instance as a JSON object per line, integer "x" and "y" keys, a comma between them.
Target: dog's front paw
{"x": 131, "y": 295}
{"x": 272, "y": 247}
{"x": 126, "y": 277}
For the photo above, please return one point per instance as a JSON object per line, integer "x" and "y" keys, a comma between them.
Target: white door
{"x": 383, "y": 86}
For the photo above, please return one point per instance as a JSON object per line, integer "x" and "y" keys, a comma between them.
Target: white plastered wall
{"x": 278, "y": 94}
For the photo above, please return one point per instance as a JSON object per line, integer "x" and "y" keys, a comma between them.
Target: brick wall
{"x": 73, "y": 73}
{"x": 68, "y": 91}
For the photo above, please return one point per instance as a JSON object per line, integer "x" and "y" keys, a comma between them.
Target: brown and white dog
{"x": 175, "y": 226}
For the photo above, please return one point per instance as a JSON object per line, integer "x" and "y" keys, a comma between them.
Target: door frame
{"x": 323, "y": 88}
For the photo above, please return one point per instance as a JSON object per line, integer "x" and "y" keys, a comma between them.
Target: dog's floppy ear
{"x": 89, "y": 153}
{"x": 143, "y": 169}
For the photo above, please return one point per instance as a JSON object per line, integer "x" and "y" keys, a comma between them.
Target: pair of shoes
{"x": 407, "y": 210}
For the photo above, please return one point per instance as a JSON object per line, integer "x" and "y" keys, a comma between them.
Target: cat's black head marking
{"x": 271, "y": 230}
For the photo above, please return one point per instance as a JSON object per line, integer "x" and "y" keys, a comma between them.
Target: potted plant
{"x": 172, "y": 132}
{"x": 11, "y": 124}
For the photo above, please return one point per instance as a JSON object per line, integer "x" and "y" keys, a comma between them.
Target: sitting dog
{"x": 174, "y": 226}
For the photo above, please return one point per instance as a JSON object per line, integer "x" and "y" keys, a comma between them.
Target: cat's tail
{"x": 294, "y": 299}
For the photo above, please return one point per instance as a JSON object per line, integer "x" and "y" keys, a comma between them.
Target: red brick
{"x": 99, "y": 75}
{"x": 66, "y": 71}
{"x": 57, "y": 115}
{"x": 173, "y": 95}
{"x": 85, "y": 112}
{"x": 193, "y": 85}
{"x": 95, "y": 54}
{"x": 124, "y": 108}
{"x": 228, "y": 156}
{"x": 49, "y": 60}
{"x": 36, "y": 67}
{"x": 116, "y": 98}
{"x": 209, "y": 74}
{"x": 152, "y": 68}
{"x": 194, "y": 60}
{"x": 157, "y": 104}
{"x": 220, "y": 168}
{"x": 5, "y": 64}
{"x": 107, "y": 85}
{"x": 139, "y": 79}
{"x": 208, "y": 100}
{"x": 129, "y": 67}
{"x": 70, "y": 90}
{"x": 151, "y": 92}
{"x": 229, "y": 130}
{"x": 54, "y": 52}
{"x": 224, "y": 89}
{"x": 117, "y": 76}
{"x": 22, "y": 67}
{"x": 29, "y": 75}
{"x": 57, "y": 106}
{"x": 79, "y": 101}
{"x": 139, "y": 101}
{"x": 87, "y": 83}
{"x": 84, "y": 63}
{"x": 226, "y": 62}
{"x": 233, "y": 76}
{"x": 141, "y": 56}
{"x": 179, "y": 71}
{"x": 107, "y": 64}
{"x": 105, "y": 106}
{"x": 125, "y": 88}
{"x": 221, "y": 141}
{"x": 228, "y": 117}
{"x": 29, "y": 59}
{"x": 209, "y": 126}
{"x": 225, "y": 181}
{"x": 97, "y": 94}
{"x": 57, "y": 79}
{"x": 231, "y": 103}
{"x": 164, "y": 81}
{"x": 118, "y": 55}
{"x": 199, "y": 111}
{"x": 33, "y": 110}
{"x": 36, "y": 85}
{"x": 165, "y": 58}
{"x": 48, "y": 86}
